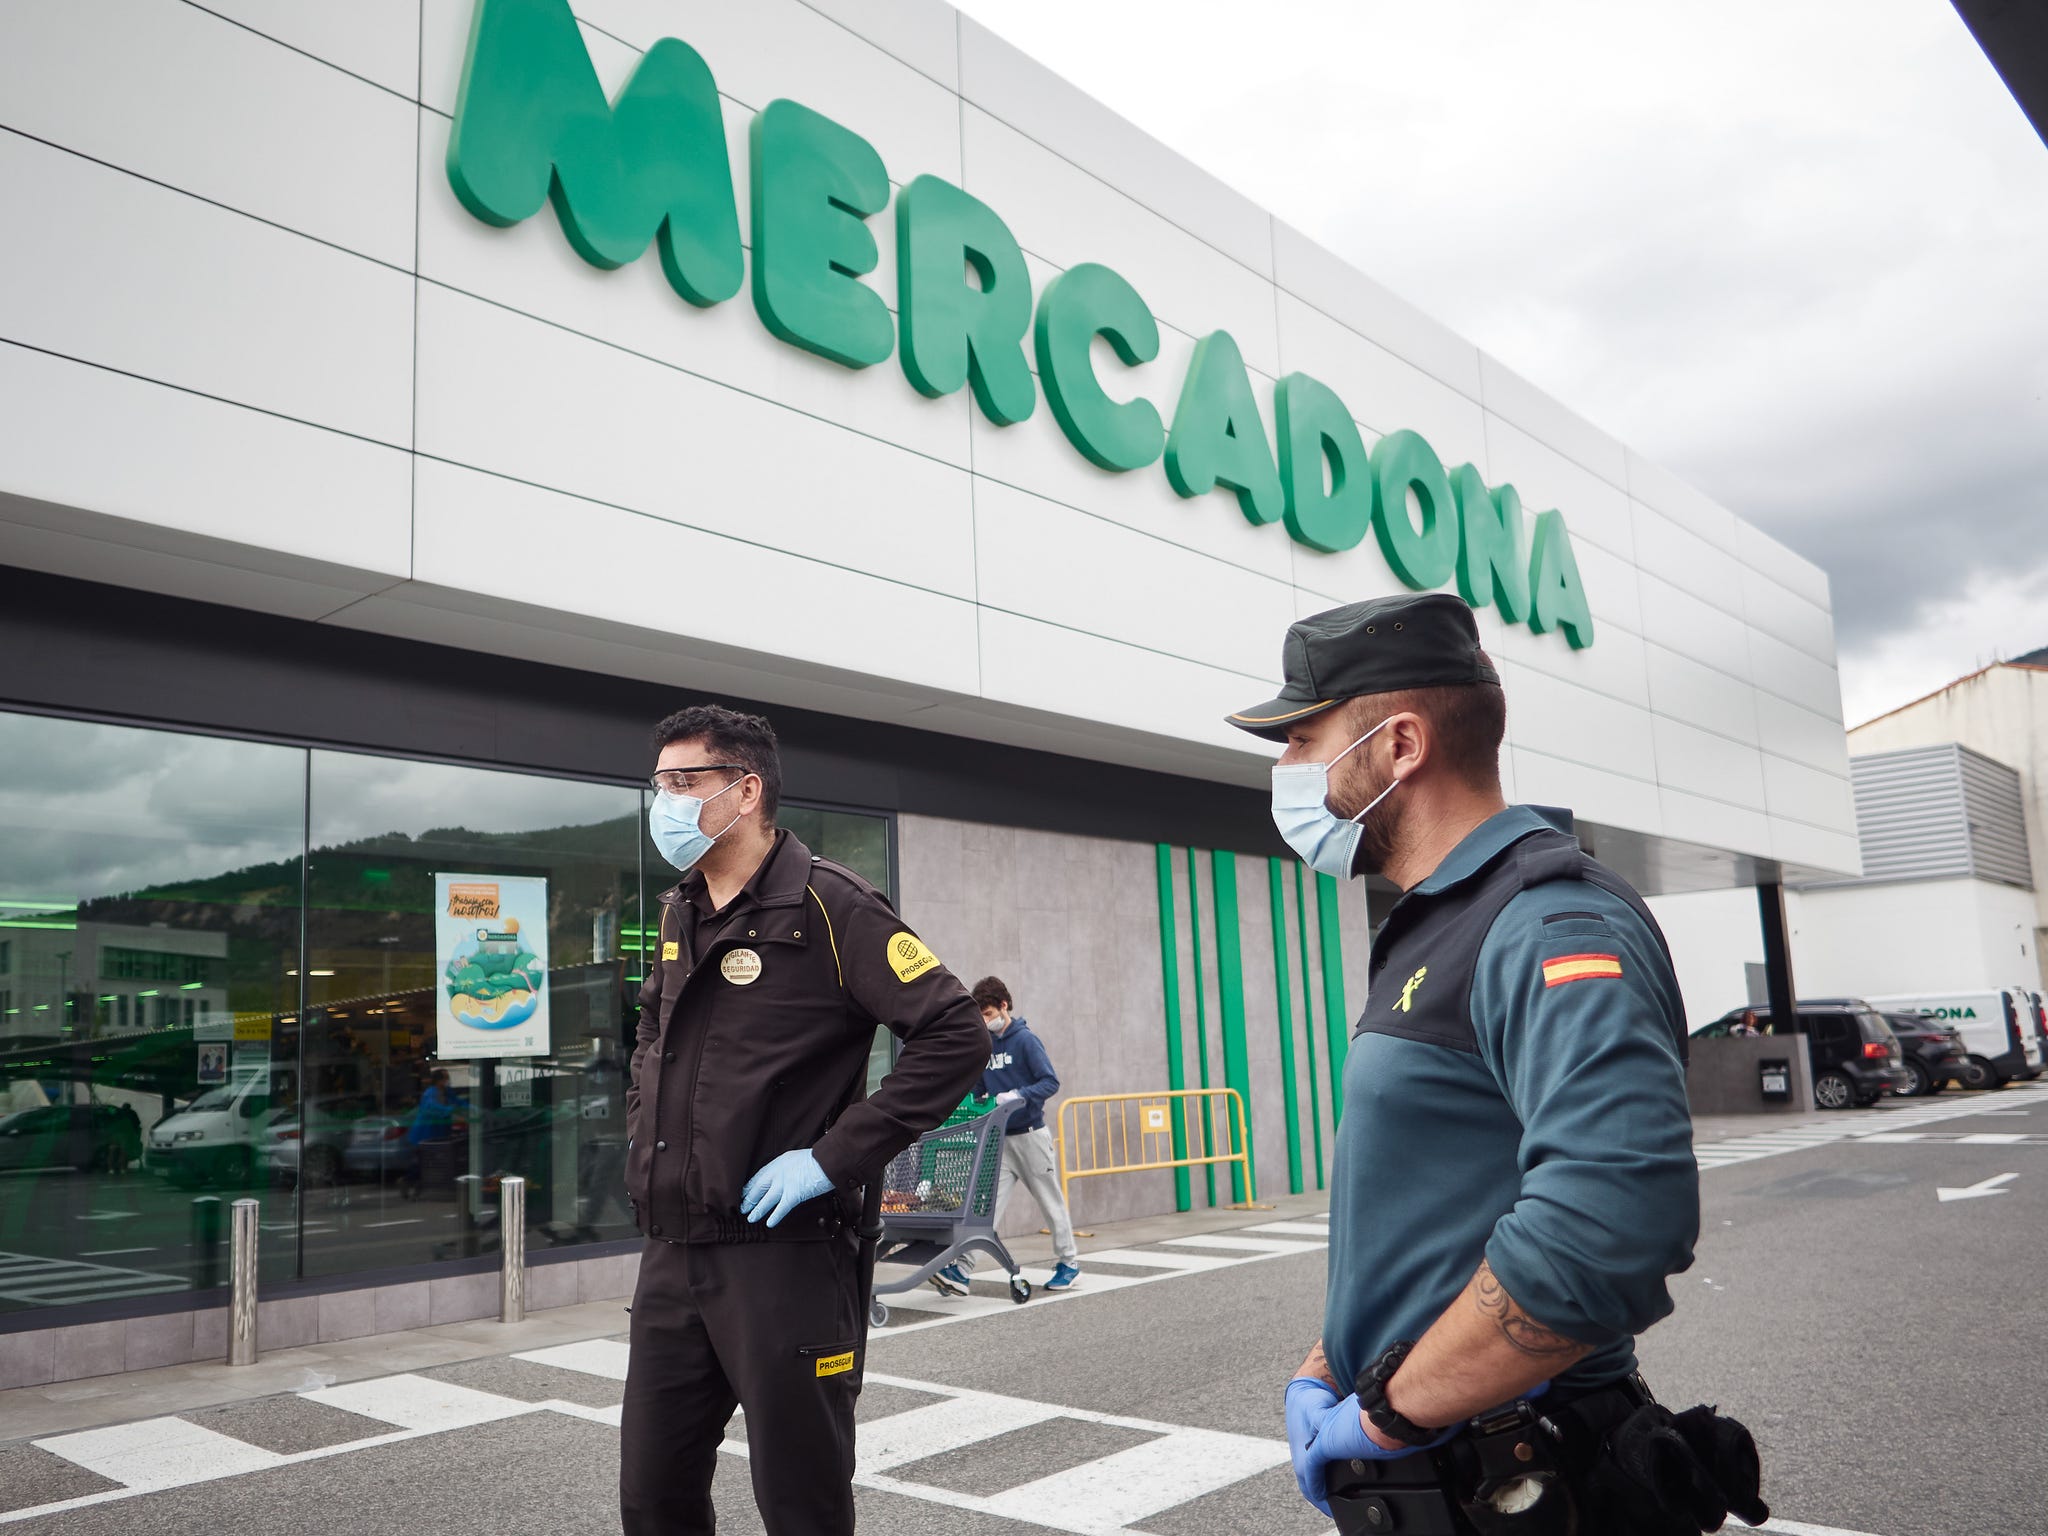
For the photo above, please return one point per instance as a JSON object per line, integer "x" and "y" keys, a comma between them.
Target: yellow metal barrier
{"x": 1106, "y": 1133}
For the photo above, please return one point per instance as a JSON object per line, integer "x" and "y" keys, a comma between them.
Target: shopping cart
{"x": 939, "y": 1202}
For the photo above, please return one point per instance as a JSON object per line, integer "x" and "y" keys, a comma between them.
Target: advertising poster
{"x": 491, "y": 946}
{"x": 213, "y": 1064}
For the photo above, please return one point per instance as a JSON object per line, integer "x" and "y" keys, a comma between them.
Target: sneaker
{"x": 950, "y": 1281}
{"x": 1064, "y": 1278}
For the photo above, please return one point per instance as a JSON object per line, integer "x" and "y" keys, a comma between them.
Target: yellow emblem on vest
{"x": 671, "y": 950}
{"x": 1407, "y": 1002}
{"x": 741, "y": 967}
{"x": 908, "y": 957}
{"x": 835, "y": 1365}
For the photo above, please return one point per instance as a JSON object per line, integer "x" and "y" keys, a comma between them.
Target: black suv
{"x": 1856, "y": 1058}
{"x": 1934, "y": 1053}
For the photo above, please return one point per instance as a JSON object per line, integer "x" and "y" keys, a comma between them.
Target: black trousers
{"x": 777, "y": 1328}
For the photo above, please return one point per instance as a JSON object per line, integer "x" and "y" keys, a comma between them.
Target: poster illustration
{"x": 213, "y": 1064}
{"x": 491, "y": 944}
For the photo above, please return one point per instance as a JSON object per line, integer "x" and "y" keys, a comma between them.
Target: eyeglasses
{"x": 676, "y": 781}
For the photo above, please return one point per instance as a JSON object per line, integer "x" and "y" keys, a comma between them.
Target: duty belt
{"x": 1496, "y": 1475}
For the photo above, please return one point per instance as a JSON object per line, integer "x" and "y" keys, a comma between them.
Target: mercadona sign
{"x": 532, "y": 126}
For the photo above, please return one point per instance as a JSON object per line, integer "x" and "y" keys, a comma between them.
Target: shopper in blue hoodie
{"x": 1019, "y": 1072}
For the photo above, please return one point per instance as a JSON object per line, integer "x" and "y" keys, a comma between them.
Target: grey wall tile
{"x": 210, "y": 1333}
{"x": 460, "y": 1298}
{"x": 348, "y": 1314}
{"x": 28, "y": 1359}
{"x": 552, "y": 1285}
{"x": 401, "y": 1306}
{"x": 606, "y": 1277}
{"x": 286, "y": 1323}
{"x": 90, "y": 1349}
{"x": 155, "y": 1341}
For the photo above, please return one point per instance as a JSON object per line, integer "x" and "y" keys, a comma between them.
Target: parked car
{"x": 216, "y": 1137}
{"x": 88, "y": 1137}
{"x": 2030, "y": 999}
{"x": 308, "y": 1145}
{"x": 1934, "y": 1053}
{"x": 1855, "y": 1057}
{"x": 1988, "y": 1019}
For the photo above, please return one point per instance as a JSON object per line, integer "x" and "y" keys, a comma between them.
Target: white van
{"x": 1989, "y": 1020}
{"x": 214, "y": 1137}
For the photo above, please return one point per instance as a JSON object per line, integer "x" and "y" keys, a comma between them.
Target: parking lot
{"x": 1864, "y": 1297}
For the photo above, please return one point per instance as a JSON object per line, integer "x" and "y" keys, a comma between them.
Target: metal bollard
{"x": 242, "y": 1280}
{"x": 206, "y": 1242}
{"x": 511, "y": 1249}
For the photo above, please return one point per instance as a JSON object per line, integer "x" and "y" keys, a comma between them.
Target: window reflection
{"x": 149, "y": 889}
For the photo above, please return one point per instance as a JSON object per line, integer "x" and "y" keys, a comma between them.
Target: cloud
{"x": 1791, "y": 252}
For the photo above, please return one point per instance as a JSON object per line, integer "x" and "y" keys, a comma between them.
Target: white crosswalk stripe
{"x": 1881, "y": 1129}
{"x": 35, "y": 1279}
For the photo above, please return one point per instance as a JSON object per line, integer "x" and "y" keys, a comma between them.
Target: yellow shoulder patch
{"x": 671, "y": 950}
{"x": 908, "y": 957}
{"x": 835, "y": 1365}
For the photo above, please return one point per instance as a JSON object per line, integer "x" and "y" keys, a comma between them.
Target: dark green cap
{"x": 1382, "y": 645}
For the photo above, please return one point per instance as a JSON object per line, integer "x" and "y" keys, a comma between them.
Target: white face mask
{"x": 672, "y": 820}
{"x": 1326, "y": 842}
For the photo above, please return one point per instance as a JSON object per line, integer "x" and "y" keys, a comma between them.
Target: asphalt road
{"x": 1885, "y": 1344}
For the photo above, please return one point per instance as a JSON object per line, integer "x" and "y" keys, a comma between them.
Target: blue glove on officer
{"x": 782, "y": 1185}
{"x": 1322, "y": 1428}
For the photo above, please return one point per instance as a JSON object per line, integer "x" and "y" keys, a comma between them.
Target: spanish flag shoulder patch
{"x": 1580, "y": 968}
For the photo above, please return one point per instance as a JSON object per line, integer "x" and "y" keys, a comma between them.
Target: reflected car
{"x": 310, "y": 1144}
{"x": 91, "y": 1138}
{"x": 379, "y": 1147}
{"x": 215, "y": 1138}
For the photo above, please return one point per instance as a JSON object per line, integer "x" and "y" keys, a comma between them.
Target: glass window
{"x": 469, "y": 1008}
{"x": 149, "y": 901}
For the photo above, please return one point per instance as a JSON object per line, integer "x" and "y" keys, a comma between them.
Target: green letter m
{"x": 532, "y": 124}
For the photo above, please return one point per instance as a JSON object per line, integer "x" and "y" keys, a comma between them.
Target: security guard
{"x": 751, "y": 1136}
{"x": 1514, "y": 1181}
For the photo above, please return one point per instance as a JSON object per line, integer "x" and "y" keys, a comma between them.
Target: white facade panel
{"x": 1062, "y": 213}
{"x": 1793, "y": 675}
{"x": 1802, "y": 735}
{"x": 1617, "y": 665}
{"x": 1799, "y": 793}
{"x": 1684, "y": 689}
{"x": 178, "y": 467}
{"x": 1610, "y": 580}
{"x": 1320, "y": 277}
{"x": 1761, "y": 552}
{"x": 1684, "y": 560}
{"x": 1712, "y": 823}
{"x": 377, "y": 39}
{"x": 1047, "y": 561}
{"x": 147, "y": 280}
{"x": 210, "y": 107}
{"x": 925, "y": 34}
{"x": 1777, "y": 610}
{"x": 1657, "y": 488}
{"x": 1510, "y": 396}
{"x": 521, "y": 398}
{"x": 1548, "y": 715}
{"x": 481, "y": 534}
{"x": 1014, "y": 87}
{"x": 1797, "y": 843}
{"x": 1694, "y": 628}
{"x": 1701, "y": 763}
{"x": 1593, "y": 794}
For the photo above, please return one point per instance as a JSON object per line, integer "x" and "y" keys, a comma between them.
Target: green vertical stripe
{"x": 1290, "y": 1096}
{"x": 1308, "y": 1021}
{"x": 1201, "y": 1016}
{"x": 1336, "y": 1017}
{"x": 1237, "y": 1067}
{"x": 1169, "y": 977}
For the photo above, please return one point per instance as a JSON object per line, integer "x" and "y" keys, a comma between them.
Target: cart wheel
{"x": 1020, "y": 1289}
{"x": 878, "y": 1313}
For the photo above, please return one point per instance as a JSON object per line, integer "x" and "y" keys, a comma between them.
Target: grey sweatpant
{"x": 1029, "y": 1156}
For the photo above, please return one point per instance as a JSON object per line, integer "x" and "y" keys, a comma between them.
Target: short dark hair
{"x": 1469, "y": 721}
{"x": 989, "y": 992}
{"x": 731, "y": 737}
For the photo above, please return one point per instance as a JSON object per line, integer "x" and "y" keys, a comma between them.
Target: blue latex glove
{"x": 782, "y": 1185}
{"x": 1308, "y": 1399}
{"x": 1340, "y": 1436}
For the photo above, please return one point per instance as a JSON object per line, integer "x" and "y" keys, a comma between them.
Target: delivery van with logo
{"x": 2001, "y": 1047}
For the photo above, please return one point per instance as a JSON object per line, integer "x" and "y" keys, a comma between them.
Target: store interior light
{"x": 150, "y": 993}
{"x": 191, "y": 986}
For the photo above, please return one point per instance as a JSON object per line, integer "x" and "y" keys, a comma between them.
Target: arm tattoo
{"x": 1317, "y": 1364}
{"x": 1516, "y": 1326}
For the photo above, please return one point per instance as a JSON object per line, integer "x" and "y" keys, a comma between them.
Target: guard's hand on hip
{"x": 1308, "y": 1399}
{"x": 782, "y": 1185}
{"x": 1340, "y": 1436}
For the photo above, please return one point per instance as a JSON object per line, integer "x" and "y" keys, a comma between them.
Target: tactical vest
{"x": 1444, "y": 931}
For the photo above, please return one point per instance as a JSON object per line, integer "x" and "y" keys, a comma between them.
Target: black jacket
{"x": 759, "y": 1046}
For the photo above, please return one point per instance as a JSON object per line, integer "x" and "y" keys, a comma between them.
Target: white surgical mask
{"x": 672, "y": 823}
{"x": 1326, "y": 842}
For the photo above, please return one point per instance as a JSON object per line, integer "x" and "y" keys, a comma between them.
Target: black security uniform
{"x": 755, "y": 1027}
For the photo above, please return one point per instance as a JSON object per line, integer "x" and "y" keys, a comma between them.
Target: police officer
{"x": 1514, "y": 1181}
{"x": 750, "y": 1137}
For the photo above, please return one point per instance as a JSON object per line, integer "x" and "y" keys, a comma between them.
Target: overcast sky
{"x": 1795, "y": 250}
